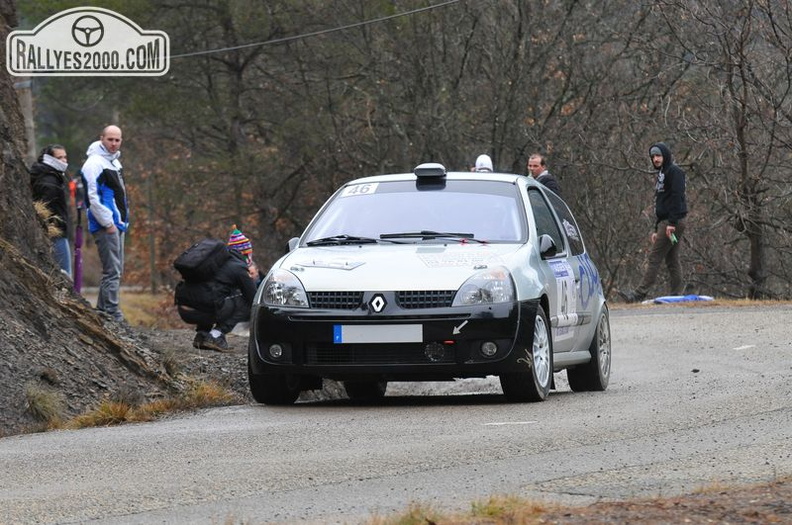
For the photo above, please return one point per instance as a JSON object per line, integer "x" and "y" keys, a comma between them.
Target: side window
{"x": 568, "y": 223}
{"x": 545, "y": 221}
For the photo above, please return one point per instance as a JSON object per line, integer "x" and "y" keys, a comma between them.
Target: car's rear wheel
{"x": 273, "y": 389}
{"x": 533, "y": 384}
{"x": 594, "y": 375}
{"x": 365, "y": 390}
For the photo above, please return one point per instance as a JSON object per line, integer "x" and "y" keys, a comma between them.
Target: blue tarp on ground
{"x": 678, "y": 299}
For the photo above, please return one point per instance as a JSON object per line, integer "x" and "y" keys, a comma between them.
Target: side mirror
{"x": 547, "y": 246}
{"x": 292, "y": 244}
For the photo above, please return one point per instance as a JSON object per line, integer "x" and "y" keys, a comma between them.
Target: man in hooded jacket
{"x": 670, "y": 212}
{"x": 107, "y": 215}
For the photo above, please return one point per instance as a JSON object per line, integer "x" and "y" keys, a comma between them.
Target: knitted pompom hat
{"x": 239, "y": 242}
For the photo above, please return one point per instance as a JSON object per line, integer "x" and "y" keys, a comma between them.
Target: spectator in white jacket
{"x": 108, "y": 218}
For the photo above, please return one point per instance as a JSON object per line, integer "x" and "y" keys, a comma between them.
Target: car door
{"x": 586, "y": 275}
{"x": 562, "y": 272}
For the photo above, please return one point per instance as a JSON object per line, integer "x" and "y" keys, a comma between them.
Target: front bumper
{"x": 422, "y": 344}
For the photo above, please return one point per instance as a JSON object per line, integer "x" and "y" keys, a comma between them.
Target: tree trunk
{"x": 756, "y": 270}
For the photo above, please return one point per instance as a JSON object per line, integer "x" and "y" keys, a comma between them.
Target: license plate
{"x": 379, "y": 333}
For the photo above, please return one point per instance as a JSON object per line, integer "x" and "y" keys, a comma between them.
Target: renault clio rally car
{"x": 431, "y": 276}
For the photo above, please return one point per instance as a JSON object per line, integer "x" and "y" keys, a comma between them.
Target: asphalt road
{"x": 699, "y": 397}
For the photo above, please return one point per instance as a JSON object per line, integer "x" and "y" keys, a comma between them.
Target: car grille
{"x": 335, "y": 300}
{"x": 425, "y": 299}
{"x": 353, "y": 354}
{"x": 410, "y": 299}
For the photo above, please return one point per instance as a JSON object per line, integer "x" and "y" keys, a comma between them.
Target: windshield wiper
{"x": 430, "y": 234}
{"x": 341, "y": 239}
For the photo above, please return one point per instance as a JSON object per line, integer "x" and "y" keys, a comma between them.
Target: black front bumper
{"x": 448, "y": 347}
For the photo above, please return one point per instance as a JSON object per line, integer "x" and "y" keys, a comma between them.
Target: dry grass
{"x": 172, "y": 361}
{"x": 106, "y": 414}
{"x": 114, "y": 411}
{"x": 150, "y": 310}
{"x": 207, "y": 394}
{"x": 44, "y": 404}
{"x": 507, "y": 509}
{"x": 497, "y": 510}
{"x": 757, "y": 504}
{"x": 416, "y": 514}
{"x": 146, "y": 309}
{"x": 44, "y": 214}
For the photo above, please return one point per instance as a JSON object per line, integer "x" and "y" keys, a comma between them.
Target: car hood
{"x": 394, "y": 267}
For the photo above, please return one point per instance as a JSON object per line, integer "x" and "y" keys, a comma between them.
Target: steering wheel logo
{"x": 87, "y": 31}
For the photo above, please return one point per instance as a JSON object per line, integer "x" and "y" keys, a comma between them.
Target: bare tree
{"x": 739, "y": 119}
{"x": 271, "y": 105}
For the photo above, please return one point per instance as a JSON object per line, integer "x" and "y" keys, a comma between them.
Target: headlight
{"x": 282, "y": 288}
{"x": 487, "y": 287}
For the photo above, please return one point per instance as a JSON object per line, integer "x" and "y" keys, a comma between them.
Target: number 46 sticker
{"x": 567, "y": 293}
{"x": 360, "y": 189}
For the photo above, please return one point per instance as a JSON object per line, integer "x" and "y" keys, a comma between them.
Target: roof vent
{"x": 430, "y": 169}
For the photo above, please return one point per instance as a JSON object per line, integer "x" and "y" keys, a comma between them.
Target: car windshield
{"x": 398, "y": 211}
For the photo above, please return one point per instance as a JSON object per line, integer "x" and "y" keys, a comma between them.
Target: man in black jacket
{"x": 537, "y": 167}
{"x": 670, "y": 213}
{"x": 217, "y": 305}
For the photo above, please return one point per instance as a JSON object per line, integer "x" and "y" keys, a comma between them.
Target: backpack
{"x": 198, "y": 295}
{"x": 201, "y": 261}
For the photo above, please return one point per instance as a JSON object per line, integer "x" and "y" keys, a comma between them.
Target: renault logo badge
{"x": 377, "y": 303}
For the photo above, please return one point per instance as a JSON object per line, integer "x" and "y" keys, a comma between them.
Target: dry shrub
{"x": 416, "y": 514}
{"x": 207, "y": 394}
{"x": 45, "y": 215}
{"x": 159, "y": 407}
{"x": 497, "y": 510}
{"x": 508, "y": 509}
{"x": 44, "y": 404}
{"x": 155, "y": 311}
{"x": 107, "y": 413}
{"x": 123, "y": 408}
{"x": 172, "y": 361}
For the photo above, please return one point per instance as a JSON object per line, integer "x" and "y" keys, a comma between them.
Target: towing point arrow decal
{"x": 458, "y": 329}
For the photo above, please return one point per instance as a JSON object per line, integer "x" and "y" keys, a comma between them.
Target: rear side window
{"x": 568, "y": 223}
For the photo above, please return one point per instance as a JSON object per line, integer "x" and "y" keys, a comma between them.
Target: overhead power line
{"x": 316, "y": 33}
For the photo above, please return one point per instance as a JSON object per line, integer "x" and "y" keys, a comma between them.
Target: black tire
{"x": 269, "y": 389}
{"x": 365, "y": 390}
{"x": 594, "y": 375}
{"x": 534, "y": 384}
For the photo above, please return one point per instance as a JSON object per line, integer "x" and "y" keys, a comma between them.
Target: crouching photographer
{"x": 217, "y": 289}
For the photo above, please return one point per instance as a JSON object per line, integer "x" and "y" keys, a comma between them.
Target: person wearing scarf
{"x": 50, "y": 184}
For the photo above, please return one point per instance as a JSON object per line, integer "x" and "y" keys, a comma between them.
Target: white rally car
{"x": 431, "y": 276}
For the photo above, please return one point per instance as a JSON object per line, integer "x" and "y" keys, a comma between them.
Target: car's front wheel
{"x": 594, "y": 375}
{"x": 271, "y": 389}
{"x": 365, "y": 390}
{"x": 533, "y": 384}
